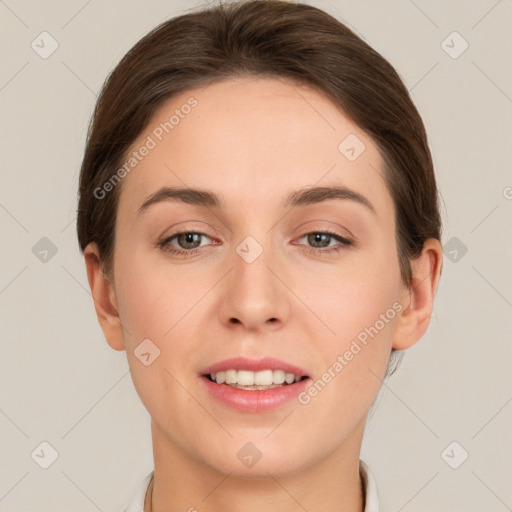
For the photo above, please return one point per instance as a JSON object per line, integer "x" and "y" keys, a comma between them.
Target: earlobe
{"x": 418, "y": 300}
{"x": 103, "y": 294}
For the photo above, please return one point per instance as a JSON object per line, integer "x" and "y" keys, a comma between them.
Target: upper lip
{"x": 254, "y": 365}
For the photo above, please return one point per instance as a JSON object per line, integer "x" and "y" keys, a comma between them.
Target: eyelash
{"x": 345, "y": 243}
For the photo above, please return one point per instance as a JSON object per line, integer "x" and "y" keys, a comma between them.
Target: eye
{"x": 320, "y": 241}
{"x": 189, "y": 241}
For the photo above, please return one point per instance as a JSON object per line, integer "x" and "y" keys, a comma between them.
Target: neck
{"x": 183, "y": 483}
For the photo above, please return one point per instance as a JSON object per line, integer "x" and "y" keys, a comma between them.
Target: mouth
{"x": 254, "y": 385}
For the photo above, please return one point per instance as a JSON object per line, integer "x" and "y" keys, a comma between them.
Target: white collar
{"x": 370, "y": 489}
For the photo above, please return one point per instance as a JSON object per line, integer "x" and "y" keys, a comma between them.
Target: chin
{"x": 250, "y": 462}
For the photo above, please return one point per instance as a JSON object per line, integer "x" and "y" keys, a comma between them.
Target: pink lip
{"x": 253, "y": 365}
{"x": 254, "y": 400}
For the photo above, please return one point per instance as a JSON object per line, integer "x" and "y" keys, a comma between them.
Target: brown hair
{"x": 268, "y": 38}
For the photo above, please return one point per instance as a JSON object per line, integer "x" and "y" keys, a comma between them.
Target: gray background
{"x": 61, "y": 383}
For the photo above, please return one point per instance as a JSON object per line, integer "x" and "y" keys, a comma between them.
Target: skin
{"x": 253, "y": 141}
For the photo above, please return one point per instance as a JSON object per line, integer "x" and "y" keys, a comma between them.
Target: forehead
{"x": 252, "y": 140}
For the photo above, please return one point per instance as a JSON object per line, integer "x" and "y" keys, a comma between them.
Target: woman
{"x": 259, "y": 218}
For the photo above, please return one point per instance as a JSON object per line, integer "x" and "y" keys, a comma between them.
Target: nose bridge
{"x": 255, "y": 296}
{"x": 252, "y": 274}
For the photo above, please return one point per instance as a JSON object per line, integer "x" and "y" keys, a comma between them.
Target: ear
{"x": 103, "y": 294}
{"x": 418, "y": 300}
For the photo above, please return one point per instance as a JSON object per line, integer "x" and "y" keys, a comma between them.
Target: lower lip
{"x": 254, "y": 400}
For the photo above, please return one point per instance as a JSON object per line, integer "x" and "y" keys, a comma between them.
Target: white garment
{"x": 370, "y": 489}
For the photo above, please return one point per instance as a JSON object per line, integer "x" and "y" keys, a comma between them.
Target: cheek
{"x": 152, "y": 298}
{"x": 360, "y": 321}
{"x": 353, "y": 296}
{"x": 352, "y": 362}
{"x": 358, "y": 308}
{"x": 155, "y": 305}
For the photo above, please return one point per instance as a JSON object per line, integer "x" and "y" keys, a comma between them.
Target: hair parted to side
{"x": 261, "y": 38}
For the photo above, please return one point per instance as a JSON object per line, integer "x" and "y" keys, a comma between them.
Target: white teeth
{"x": 245, "y": 378}
{"x": 278, "y": 376}
{"x": 289, "y": 378}
{"x": 263, "y": 378}
{"x": 219, "y": 377}
{"x": 231, "y": 377}
{"x": 254, "y": 380}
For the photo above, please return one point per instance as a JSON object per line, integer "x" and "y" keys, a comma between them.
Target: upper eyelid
{"x": 341, "y": 238}
{"x": 199, "y": 232}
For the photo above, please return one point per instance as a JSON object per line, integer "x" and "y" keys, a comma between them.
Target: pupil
{"x": 189, "y": 238}
{"x": 317, "y": 237}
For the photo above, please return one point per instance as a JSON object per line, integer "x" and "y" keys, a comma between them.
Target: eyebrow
{"x": 297, "y": 198}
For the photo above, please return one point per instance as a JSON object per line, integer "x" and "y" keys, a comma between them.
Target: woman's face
{"x": 274, "y": 271}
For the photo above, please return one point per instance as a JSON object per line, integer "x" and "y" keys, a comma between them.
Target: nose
{"x": 255, "y": 296}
